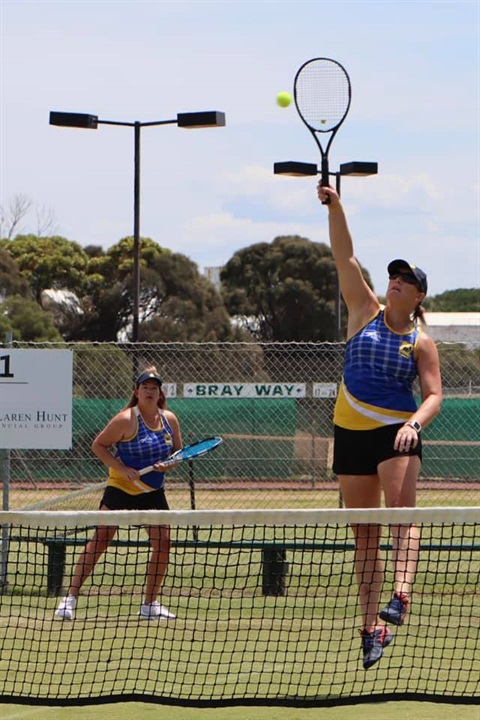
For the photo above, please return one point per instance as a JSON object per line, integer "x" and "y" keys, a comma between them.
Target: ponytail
{"x": 419, "y": 314}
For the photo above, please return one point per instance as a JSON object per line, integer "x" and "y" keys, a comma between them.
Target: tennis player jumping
{"x": 377, "y": 425}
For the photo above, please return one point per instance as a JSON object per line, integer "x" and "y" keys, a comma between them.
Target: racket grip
{"x": 325, "y": 181}
{"x": 145, "y": 470}
{"x": 150, "y": 468}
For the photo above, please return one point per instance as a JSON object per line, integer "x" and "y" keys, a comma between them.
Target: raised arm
{"x": 360, "y": 300}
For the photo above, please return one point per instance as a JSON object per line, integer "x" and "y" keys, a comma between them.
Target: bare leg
{"x": 399, "y": 479}
{"x": 406, "y": 545}
{"x": 158, "y": 563}
{"x": 369, "y": 569}
{"x": 361, "y": 491}
{"x": 93, "y": 551}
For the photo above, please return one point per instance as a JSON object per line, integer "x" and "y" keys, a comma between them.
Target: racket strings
{"x": 322, "y": 94}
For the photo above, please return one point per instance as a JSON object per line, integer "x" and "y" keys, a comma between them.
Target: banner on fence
{"x": 245, "y": 390}
{"x": 36, "y": 399}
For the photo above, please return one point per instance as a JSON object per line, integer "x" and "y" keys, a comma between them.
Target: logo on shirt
{"x": 405, "y": 349}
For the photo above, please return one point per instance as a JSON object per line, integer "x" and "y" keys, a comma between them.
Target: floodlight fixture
{"x": 357, "y": 168}
{"x": 295, "y": 169}
{"x": 210, "y": 118}
{"x": 78, "y": 120}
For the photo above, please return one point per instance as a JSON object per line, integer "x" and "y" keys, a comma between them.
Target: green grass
{"x": 213, "y": 648}
{"x": 398, "y": 710}
{"x": 252, "y": 496}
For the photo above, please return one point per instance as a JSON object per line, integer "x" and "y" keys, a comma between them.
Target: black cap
{"x": 419, "y": 275}
{"x": 148, "y": 376}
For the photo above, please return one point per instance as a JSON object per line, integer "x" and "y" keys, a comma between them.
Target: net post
{"x": 274, "y": 571}
{"x": 4, "y": 541}
{"x": 55, "y": 565}
{"x": 191, "y": 488}
{"x": 5, "y": 475}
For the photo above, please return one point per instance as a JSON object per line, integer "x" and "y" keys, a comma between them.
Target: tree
{"x": 12, "y": 216}
{"x": 11, "y": 280}
{"x": 27, "y": 321}
{"x": 109, "y": 289}
{"x": 284, "y": 290}
{"x": 56, "y": 271}
{"x": 181, "y": 305}
{"x": 48, "y": 262}
{"x": 176, "y": 302}
{"x": 17, "y": 210}
{"x": 460, "y": 300}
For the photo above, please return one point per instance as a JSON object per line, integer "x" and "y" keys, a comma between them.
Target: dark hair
{"x": 162, "y": 400}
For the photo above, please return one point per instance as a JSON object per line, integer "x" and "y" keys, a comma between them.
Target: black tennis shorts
{"x": 359, "y": 452}
{"x": 115, "y": 499}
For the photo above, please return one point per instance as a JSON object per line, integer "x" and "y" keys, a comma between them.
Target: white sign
{"x": 36, "y": 399}
{"x": 324, "y": 390}
{"x": 169, "y": 390}
{"x": 245, "y": 390}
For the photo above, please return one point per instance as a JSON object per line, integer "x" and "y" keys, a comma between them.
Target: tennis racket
{"x": 188, "y": 452}
{"x": 322, "y": 94}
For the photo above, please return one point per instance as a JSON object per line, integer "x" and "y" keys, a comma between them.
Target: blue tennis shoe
{"x": 396, "y": 609}
{"x": 373, "y": 644}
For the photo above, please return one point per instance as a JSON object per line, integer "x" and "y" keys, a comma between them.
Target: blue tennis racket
{"x": 188, "y": 452}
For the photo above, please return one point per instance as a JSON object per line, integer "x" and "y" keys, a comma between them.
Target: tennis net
{"x": 265, "y": 604}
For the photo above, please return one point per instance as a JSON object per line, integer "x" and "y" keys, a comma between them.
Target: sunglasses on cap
{"x": 405, "y": 277}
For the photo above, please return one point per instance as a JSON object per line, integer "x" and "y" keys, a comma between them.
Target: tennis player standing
{"x": 144, "y": 433}
{"x": 377, "y": 425}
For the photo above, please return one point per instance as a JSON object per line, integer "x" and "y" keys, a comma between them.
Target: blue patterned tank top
{"x": 145, "y": 447}
{"x": 379, "y": 371}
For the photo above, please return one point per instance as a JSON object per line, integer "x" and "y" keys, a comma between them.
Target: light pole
{"x": 354, "y": 168}
{"x": 211, "y": 118}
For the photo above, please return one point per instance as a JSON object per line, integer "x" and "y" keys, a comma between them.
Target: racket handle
{"x": 145, "y": 470}
{"x": 150, "y": 468}
{"x": 325, "y": 181}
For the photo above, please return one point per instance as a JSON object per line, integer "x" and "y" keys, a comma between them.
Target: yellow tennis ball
{"x": 284, "y": 99}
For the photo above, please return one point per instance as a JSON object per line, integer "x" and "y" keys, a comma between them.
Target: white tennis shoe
{"x": 154, "y": 611}
{"x": 66, "y": 609}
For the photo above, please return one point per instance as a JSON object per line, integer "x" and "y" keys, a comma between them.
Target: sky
{"x": 415, "y": 75}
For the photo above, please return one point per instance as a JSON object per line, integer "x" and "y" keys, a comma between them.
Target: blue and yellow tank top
{"x": 145, "y": 447}
{"x": 379, "y": 371}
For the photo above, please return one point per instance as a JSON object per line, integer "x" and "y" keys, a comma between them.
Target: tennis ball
{"x": 284, "y": 99}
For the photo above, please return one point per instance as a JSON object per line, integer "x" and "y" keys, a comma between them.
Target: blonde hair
{"x": 162, "y": 400}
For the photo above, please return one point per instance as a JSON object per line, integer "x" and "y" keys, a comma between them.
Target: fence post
{"x": 5, "y": 478}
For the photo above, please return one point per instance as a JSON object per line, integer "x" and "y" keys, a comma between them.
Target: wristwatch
{"x": 415, "y": 425}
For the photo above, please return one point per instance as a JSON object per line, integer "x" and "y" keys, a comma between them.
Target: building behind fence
{"x": 273, "y": 405}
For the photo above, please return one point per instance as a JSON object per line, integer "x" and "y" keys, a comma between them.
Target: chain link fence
{"x": 272, "y": 404}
